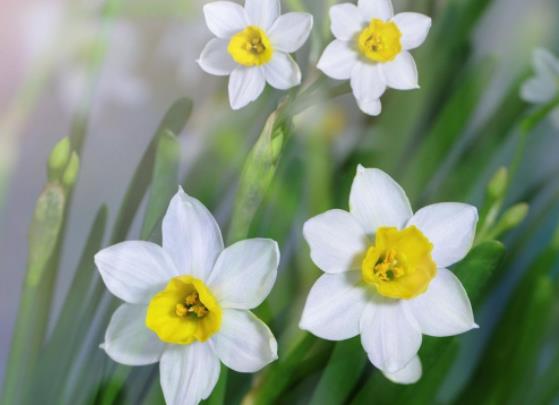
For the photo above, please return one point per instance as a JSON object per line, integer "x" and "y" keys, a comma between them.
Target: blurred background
{"x": 116, "y": 69}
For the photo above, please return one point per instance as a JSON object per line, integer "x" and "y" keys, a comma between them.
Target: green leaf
{"x": 61, "y": 349}
{"x": 345, "y": 366}
{"x": 174, "y": 121}
{"x": 165, "y": 181}
{"x": 509, "y": 364}
{"x": 257, "y": 175}
{"x": 450, "y": 124}
{"x": 32, "y": 321}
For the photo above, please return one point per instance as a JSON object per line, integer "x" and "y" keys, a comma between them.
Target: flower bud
{"x": 58, "y": 158}
{"x": 498, "y": 185}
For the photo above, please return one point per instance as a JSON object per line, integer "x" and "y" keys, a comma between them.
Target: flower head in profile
{"x": 386, "y": 275}
{"x": 371, "y": 49}
{"x": 543, "y": 87}
{"x": 253, "y": 46}
{"x": 187, "y": 303}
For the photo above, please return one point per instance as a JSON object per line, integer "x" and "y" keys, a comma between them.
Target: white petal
{"x": 538, "y": 89}
{"x": 290, "y": 31}
{"x": 282, "y": 72}
{"x": 347, "y": 21}
{"x": 401, "y": 73}
{"x": 337, "y": 241}
{"x": 191, "y": 236}
{"x": 334, "y": 306}
{"x": 546, "y": 63}
{"x": 367, "y": 81}
{"x": 225, "y": 18}
{"x": 444, "y": 309}
{"x": 127, "y": 339}
{"x": 414, "y": 28}
{"x": 410, "y": 374}
{"x": 245, "y": 85}
{"x": 262, "y": 13}
{"x": 389, "y": 334}
{"x": 215, "y": 59}
{"x": 377, "y": 200}
{"x": 134, "y": 271}
{"x": 381, "y": 9}
{"x": 245, "y": 273}
{"x": 451, "y": 228}
{"x": 244, "y": 343}
{"x": 372, "y": 107}
{"x": 338, "y": 60}
{"x": 188, "y": 373}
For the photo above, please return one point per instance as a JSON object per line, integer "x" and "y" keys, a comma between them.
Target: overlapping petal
{"x": 414, "y": 28}
{"x": 244, "y": 343}
{"x": 215, "y": 59}
{"x": 337, "y": 241}
{"x": 134, "y": 271}
{"x": 347, "y": 21}
{"x": 377, "y": 200}
{"x": 282, "y": 72}
{"x": 370, "y": 107}
{"x": 390, "y": 335}
{"x": 334, "y": 306}
{"x": 188, "y": 373}
{"x": 128, "y": 341}
{"x": 381, "y": 9}
{"x": 444, "y": 309}
{"x": 262, "y": 13}
{"x": 338, "y": 60}
{"x": 245, "y": 85}
{"x": 401, "y": 73}
{"x": 367, "y": 81}
{"x": 290, "y": 31}
{"x": 225, "y": 18}
{"x": 410, "y": 374}
{"x": 450, "y": 227}
{"x": 245, "y": 273}
{"x": 191, "y": 236}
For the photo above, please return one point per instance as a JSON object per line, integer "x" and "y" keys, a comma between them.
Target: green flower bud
{"x": 499, "y": 183}
{"x": 58, "y": 159}
{"x": 514, "y": 216}
{"x": 71, "y": 173}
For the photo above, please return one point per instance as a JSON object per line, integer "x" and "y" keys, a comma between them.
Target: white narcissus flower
{"x": 253, "y": 46}
{"x": 371, "y": 49}
{"x": 187, "y": 303}
{"x": 543, "y": 87}
{"x": 386, "y": 273}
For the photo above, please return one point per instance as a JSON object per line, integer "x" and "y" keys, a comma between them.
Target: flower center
{"x": 250, "y": 47}
{"x": 184, "y": 312}
{"x": 192, "y": 306}
{"x": 380, "y": 41}
{"x": 399, "y": 264}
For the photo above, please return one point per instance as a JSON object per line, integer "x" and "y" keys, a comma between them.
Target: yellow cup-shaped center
{"x": 380, "y": 41}
{"x": 399, "y": 264}
{"x": 250, "y": 47}
{"x": 184, "y": 312}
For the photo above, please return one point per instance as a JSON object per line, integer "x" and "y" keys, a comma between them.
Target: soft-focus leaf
{"x": 164, "y": 183}
{"x": 345, "y": 366}
{"x": 32, "y": 321}
{"x": 174, "y": 121}
{"x": 257, "y": 175}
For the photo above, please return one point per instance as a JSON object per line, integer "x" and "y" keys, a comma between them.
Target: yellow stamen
{"x": 380, "y": 41}
{"x": 399, "y": 264}
{"x": 250, "y": 47}
{"x": 184, "y": 312}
